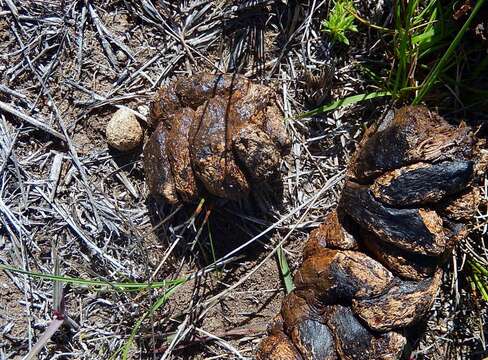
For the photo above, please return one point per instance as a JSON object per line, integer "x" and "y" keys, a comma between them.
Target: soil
{"x": 14, "y": 322}
{"x": 89, "y": 207}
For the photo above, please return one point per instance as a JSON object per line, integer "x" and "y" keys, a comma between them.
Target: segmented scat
{"x": 408, "y": 192}
{"x": 223, "y": 134}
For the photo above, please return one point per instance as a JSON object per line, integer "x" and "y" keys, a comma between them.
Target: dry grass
{"x": 71, "y": 206}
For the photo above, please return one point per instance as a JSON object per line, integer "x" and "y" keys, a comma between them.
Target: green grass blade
{"x": 411, "y": 9}
{"x": 429, "y": 9}
{"x": 438, "y": 68}
{"x": 480, "y": 286}
{"x": 285, "y": 270}
{"x": 478, "y": 278}
{"x": 155, "y": 306}
{"x": 479, "y": 268}
{"x": 370, "y": 74}
{"x": 123, "y": 286}
{"x": 344, "y": 102}
{"x": 404, "y": 58}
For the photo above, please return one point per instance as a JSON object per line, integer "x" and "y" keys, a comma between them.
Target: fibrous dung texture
{"x": 372, "y": 269}
{"x": 216, "y": 134}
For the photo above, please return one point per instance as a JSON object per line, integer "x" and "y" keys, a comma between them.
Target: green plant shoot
{"x": 340, "y": 22}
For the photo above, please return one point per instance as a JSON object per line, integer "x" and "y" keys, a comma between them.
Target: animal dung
{"x": 214, "y": 134}
{"x": 373, "y": 268}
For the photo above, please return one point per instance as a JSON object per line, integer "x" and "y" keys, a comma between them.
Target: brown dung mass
{"x": 372, "y": 269}
{"x": 219, "y": 134}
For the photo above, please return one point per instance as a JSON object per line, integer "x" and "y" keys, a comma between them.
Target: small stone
{"x": 143, "y": 109}
{"x": 123, "y": 131}
{"x": 121, "y": 56}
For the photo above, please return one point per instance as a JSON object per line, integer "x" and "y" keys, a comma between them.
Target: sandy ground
{"x": 67, "y": 199}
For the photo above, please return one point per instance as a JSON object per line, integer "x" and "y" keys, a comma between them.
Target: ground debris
{"x": 73, "y": 206}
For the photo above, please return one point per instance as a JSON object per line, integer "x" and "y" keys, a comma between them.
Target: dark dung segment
{"x": 332, "y": 233}
{"x": 463, "y": 206}
{"x": 414, "y": 134}
{"x": 195, "y": 91}
{"x": 414, "y": 230}
{"x": 157, "y": 168}
{"x": 212, "y": 160}
{"x": 401, "y": 263}
{"x": 402, "y": 305}
{"x": 165, "y": 104}
{"x": 258, "y": 109}
{"x": 314, "y": 340}
{"x": 178, "y": 150}
{"x": 359, "y": 276}
{"x": 342, "y": 275}
{"x": 304, "y": 322}
{"x": 355, "y": 341}
{"x": 257, "y": 152}
{"x": 252, "y": 107}
{"x": 277, "y": 346}
{"x": 274, "y": 126}
{"x": 422, "y": 183}
{"x": 296, "y": 309}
